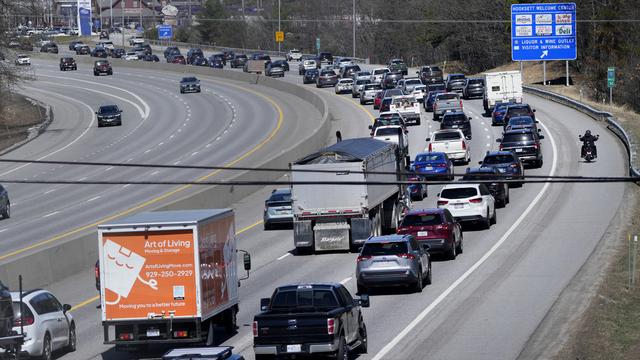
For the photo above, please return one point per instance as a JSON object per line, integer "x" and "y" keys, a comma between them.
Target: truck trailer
{"x": 168, "y": 277}
{"x": 505, "y": 86}
{"x": 330, "y": 217}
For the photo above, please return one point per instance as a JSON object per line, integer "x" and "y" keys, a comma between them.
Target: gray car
{"x": 368, "y": 93}
{"x": 357, "y": 87}
{"x": 393, "y": 260}
{"x": 5, "y": 205}
{"x": 277, "y": 208}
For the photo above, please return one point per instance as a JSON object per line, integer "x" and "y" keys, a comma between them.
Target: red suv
{"x": 178, "y": 59}
{"x": 435, "y": 227}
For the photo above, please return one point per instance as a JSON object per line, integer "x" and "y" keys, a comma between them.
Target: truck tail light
{"x": 125, "y": 336}
{"x": 475, "y": 201}
{"x": 331, "y": 326}
{"x": 362, "y": 258}
{"x": 535, "y": 146}
{"x": 500, "y": 147}
{"x": 180, "y": 334}
{"x": 460, "y": 104}
{"x": 442, "y": 202}
{"x": 514, "y": 165}
{"x": 464, "y": 145}
{"x": 430, "y": 148}
{"x": 255, "y": 329}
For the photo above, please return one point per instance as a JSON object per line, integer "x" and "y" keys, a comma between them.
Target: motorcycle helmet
{"x": 588, "y": 133}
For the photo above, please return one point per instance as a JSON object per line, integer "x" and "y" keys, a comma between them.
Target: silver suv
{"x": 277, "y": 208}
{"x": 5, "y": 205}
{"x": 48, "y": 325}
{"x": 393, "y": 260}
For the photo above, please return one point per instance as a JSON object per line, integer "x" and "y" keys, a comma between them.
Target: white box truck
{"x": 330, "y": 217}
{"x": 168, "y": 277}
{"x": 504, "y": 86}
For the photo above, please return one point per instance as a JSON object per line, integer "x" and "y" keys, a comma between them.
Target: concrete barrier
{"x": 78, "y": 252}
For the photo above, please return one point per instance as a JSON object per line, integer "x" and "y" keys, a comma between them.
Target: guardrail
{"x": 238, "y": 50}
{"x": 627, "y": 139}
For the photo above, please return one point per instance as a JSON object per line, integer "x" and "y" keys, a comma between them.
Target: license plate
{"x": 384, "y": 263}
{"x": 422, "y": 233}
{"x": 518, "y": 150}
{"x": 502, "y": 170}
{"x": 428, "y": 167}
{"x": 153, "y": 332}
{"x": 458, "y": 206}
{"x": 454, "y": 126}
{"x": 294, "y": 348}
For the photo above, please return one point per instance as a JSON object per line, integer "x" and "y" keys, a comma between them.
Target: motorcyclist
{"x": 588, "y": 140}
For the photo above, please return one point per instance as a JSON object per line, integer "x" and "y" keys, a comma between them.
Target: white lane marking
{"x": 385, "y": 350}
{"x": 488, "y": 144}
{"x": 94, "y": 198}
{"x": 125, "y": 185}
{"x": 161, "y": 143}
{"x": 194, "y": 154}
{"x": 3, "y": 230}
{"x": 91, "y": 118}
{"x": 283, "y": 256}
{"x": 51, "y": 214}
{"x": 147, "y": 151}
{"x": 49, "y": 191}
{"x": 144, "y": 113}
{"x": 155, "y": 173}
{"x": 109, "y": 168}
{"x": 176, "y": 162}
{"x": 344, "y": 281}
{"x": 82, "y": 179}
{"x": 488, "y": 137}
{"x": 485, "y": 129}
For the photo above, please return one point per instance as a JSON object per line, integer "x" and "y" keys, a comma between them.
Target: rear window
{"x": 454, "y": 119}
{"x": 456, "y": 77}
{"x": 364, "y": 73}
{"x": 497, "y": 159}
{"x": 433, "y": 87}
{"x": 459, "y": 193}
{"x": 304, "y": 298}
{"x": 346, "y": 81}
{"x": 386, "y": 131}
{"x": 517, "y": 111}
{"x": 422, "y": 220}
{"x": 517, "y": 137}
{"x": 284, "y": 197}
{"x": 476, "y": 81}
{"x": 524, "y": 120}
{"x": 17, "y": 312}
{"x": 413, "y": 82}
{"x": 372, "y": 87}
{"x": 328, "y": 72}
{"x": 447, "y": 97}
{"x": 447, "y": 136}
{"x": 386, "y": 248}
{"x": 429, "y": 157}
{"x": 363, "y": 81}
{"x": 502, "y": 106}
{"x": 393, "y": 92}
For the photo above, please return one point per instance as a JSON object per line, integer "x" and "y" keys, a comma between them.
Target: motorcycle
{"x": 589, "y": 151}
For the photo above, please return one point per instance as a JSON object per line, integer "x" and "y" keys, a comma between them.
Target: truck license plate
{"x": 153, "y": 332}
{"x": 518, "y": 150}
{"x": 422, "y": 233}
{"x": 294, "y": 348}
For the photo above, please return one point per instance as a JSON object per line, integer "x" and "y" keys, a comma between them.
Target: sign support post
{"x": 544, "y": 73}
{"x": 567, "y": 66}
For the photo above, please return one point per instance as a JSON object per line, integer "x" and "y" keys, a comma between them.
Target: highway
{"x": 483, "y": 305}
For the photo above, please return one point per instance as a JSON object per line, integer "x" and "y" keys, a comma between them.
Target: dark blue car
{"x": 497, "y": 116}
{"x": 506, "y": 162}
{"x": 433, "y": 164}
{"x": 417, "y": 191}
{"x": 430, "y": 99}
{"x": 216, "y": 62}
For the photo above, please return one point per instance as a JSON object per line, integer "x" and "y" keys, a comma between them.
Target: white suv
{"x": 48, "y": 325}
{"x": 469, "y": 203}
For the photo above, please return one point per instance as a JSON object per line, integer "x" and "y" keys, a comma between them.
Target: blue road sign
{"x": 543, "y": 32}
{"x": 165, "y": 32}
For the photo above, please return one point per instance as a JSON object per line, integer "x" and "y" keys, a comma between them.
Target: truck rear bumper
{"x": 306, "y": 349}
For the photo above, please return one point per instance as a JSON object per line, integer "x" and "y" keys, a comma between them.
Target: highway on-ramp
{"x": 483, "y": 305}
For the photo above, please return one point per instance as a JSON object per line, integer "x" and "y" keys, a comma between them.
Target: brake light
{"x": 513, "y": 165}
{"x": 441, "y": 227}
{"x": 125, "y": 336}
{"x": 441, "y": 165}
{"x": 28, "y": 320}
{"x": 363, "y": 257}
{"x": 97, "y": 271}
{"x": 460, "y": 104}
{"x": 255, "y": 329}
{"x": 442, "y": 202}
{"x": 407, "y": 256}
{"x": 476, "y": 201}
{"x": 535, "y": 146}
{"x": 180, "y": 334}
{"x": 430, "y": 148}
{"x": 331, "y": 326}
{"x": 464, "y": 145}
{"x": 501, "y": 147}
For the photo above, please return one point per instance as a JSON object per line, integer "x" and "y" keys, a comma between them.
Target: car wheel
{"x": 95, "y": 73}
{"x": 507, "y": 200}
{"x": 110, "y": 72}
{"x": 460, "y": 246}
{"x": 486, "y": 222}
{"x": 267, "y": 226}
{"x": 343, "y": 351}
{"x": 7, "y": 211}
{"x": 71, "y": 346}
{"x": 99, "y": 124}
{"x": 453, "y": 253}
{"x": 418, "y": 285}
{"x": 427, "y": 280}
{"x": 539, "y": 163}
{"x": 362, "y": 102}
{"x": 494, "y": 217}
{"x": 362, "y": 332}
{"x": 46, "y": 348}
{"x": 362, "y": 289}
{"x": 353, "y": 95}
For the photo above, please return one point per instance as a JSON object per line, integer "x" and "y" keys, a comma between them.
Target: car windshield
{"x": 328, "y": 73}
{"x": 380, "y": 71}
{"x": 522, "y": 120}
{"x": 421, "y": 220}
{"x": 189, "y": 79}
{"x": 497, "y": 159}
{"x": 509, "y": 138}
{"x": 454, "y": 119}
{"x": 518, "y": 111}
{"x": 459, "y": 193}
{"x": 108, "y": 109}
{"x": 384, "y": 248}
{"x": 386, "y": 131}
{"x": 448, "y": 135}
{"x": 429, "y": 157}
{"x": 447, "y": 96}
{"x": 304, "y": 298}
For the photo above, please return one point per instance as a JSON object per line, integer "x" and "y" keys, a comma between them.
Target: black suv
{"x": 430, "y": 74}
{"x": 473, "y": 88}
{"x": 455, "y": 82}
{"x": 525, "y": 143}
{"x": 83, "y": 50}
{"x": 506, "y": 162}
{"x": 456, "y": 120}
{"x": 326, "y": 58}
{"x": 349, "y": 70}
{"x": 49, "y": 48}
{"x": 194, "y": 53}
{"x": 109, "y": 115}
{"x": 171, "y": 51}
{"x": 68, "y": 63}
{"x": 102, "y": 67}
{"x": 390, "y": 79}
{"x": 499, "y": 189}
{"x": 238, "y": 61}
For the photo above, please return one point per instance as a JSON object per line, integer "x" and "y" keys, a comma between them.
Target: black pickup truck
{"x": 310, "y": 319}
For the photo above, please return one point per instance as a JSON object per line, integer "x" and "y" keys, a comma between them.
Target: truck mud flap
{"x": 303, "y": 233}
{"x": 360, "y": 230}
{"x": 331, "y": 236}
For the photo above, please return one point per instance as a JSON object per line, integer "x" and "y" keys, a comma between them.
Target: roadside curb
{"x": 62, "y": 258}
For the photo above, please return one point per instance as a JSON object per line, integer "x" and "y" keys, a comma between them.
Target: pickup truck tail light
{"x": 464, "y": 145}
{"x": 442, "y": 202}
{"x": 460, "y": 104}
{"x": 331, "y": 326}
{"x": 514, "y": 165}
{"x": 255, "y": 329}
{"x": 535, "y": 146}
{"x": 430, "y": 148}
{"x": 475, "y": 201}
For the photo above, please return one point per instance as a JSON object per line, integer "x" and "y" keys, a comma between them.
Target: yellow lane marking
{"x": 97, "y": 297}
{"x": 168, "y": 194}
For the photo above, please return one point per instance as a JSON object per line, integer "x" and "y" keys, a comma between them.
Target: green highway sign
{"x": 611, "y": 77}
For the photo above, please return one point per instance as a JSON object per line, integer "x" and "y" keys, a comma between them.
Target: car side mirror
{"x": 364, "y": 300}
{"x": 264, "y": 304}
{"x": 370, "y": 127}
{"x": 537, "y": 122}
{"x": 469, "y": 117}
{"x": 246, "y": 258}
{"x": 534, "y": 110}
{"x": 426, "y": 247}
{"x": 479, "y": 162}
{"x": 428, "y": 139}
{"x": 438, "y": 194}
{"x": 66, "y": 308}
{"x": 498, "y": 140}
{"x": 541, "y": 136}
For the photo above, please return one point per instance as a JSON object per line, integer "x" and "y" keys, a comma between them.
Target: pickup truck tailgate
{"x": 293, "y": 328}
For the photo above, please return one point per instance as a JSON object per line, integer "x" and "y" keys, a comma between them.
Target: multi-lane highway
{"x": 483, "y": 305}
